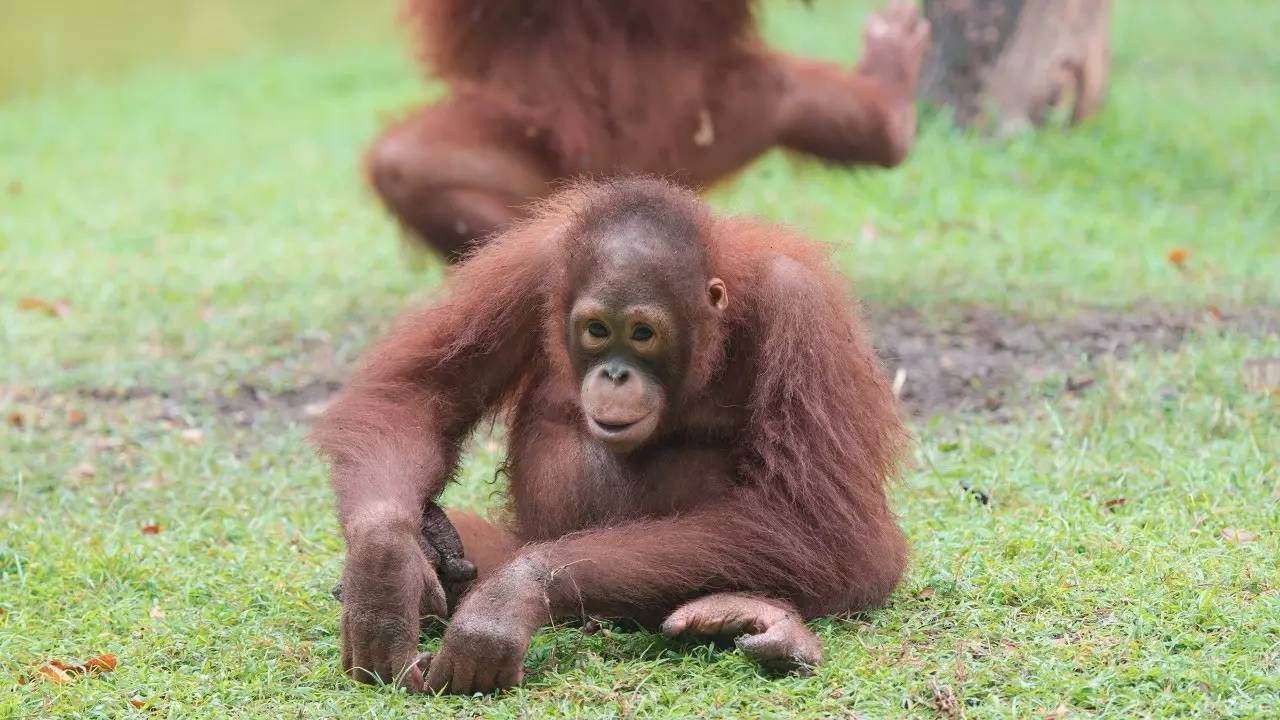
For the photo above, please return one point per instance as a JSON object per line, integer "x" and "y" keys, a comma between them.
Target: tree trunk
{"x": 1007, "y": 65}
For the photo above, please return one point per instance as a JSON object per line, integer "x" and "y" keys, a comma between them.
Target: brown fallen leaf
{"x": 56, "y": 671}
{"x": 137, "y": 702}
{"x": 1178, "y": 256}
{"x": 1057, "y": 713}
{"x": 105, "y": 662}
{"x": 17, "y": 419}
{"x": 1114, "y": 503}
{"x": 151, "y": 529}
{"x": 1076, "y": 384}
{"x": 53, "y": 673}
{"x": 53, "y": 308}
{"x": 945, "y": 701}
{"x": 926, "y": 593}
{"x": 1236, "y": 535}
{"x": 84, "y": 470}
{"x": 75, "y": 417}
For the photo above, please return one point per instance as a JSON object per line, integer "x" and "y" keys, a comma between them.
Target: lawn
{"x": 222, "y": 266}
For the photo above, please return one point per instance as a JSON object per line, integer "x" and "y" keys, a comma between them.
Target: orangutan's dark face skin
{"x": 629, "y": 340}
{"x": 625, "y": 350}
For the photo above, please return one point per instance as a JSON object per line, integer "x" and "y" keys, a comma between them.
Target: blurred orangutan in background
{"x": 686, "y": 89}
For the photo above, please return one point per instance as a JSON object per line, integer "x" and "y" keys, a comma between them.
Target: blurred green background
{"x": 44, "y": 44}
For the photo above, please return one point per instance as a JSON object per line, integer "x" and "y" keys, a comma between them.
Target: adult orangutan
{"x": 699, "y": 435}
{"x": 686, "y": 89}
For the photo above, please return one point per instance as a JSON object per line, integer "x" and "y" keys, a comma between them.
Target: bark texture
{"x": 1007, "y": 65}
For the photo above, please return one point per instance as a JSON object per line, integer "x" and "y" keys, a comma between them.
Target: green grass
{"x": 208, "y": 225}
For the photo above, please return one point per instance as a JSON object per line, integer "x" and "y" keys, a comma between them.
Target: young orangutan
{"x": 685, "y": 89}
{"x": 699, "y": 434}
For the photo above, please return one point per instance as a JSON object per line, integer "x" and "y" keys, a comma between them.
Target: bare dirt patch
{"x": 982, "y": 360}
{"x": 252, "y": 403}
{"x": 973, "y": 361}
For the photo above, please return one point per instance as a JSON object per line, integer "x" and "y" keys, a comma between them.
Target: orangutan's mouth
{"x": 613, "y": 428}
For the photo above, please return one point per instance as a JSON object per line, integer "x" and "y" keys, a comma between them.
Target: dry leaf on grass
{"x": 945, "y": 701}
{"x": 137, "y": 702}
{"x": 151, "y": 529}
{"x": 105, "y": 663}
{"x": 52, "y": 308}
{"x": 1178, "y": 256}
{"x": 75, "y": 417}
{"x": 53, "y": 673}
{"x": 56, "y": 671}
{"x": 16, "y": 419}
{"x": 1236, "y": 535}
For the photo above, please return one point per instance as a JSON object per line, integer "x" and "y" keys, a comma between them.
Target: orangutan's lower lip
{"x": 613, "y": 428}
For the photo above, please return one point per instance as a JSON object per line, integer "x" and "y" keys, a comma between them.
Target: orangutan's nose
{"x": 617, "y": 372}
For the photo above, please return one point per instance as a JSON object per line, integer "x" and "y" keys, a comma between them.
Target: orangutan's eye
{"x": 597, "y": 329}
{"x": 642, "y": 333}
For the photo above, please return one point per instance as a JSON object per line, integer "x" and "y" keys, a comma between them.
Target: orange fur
{"x": 685, "y": 89}
{"x": 766, "y": 476}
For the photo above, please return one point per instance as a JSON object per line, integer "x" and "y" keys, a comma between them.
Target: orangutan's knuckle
{"x": 484, "y": 639}
{"x": 375, "y": 627}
